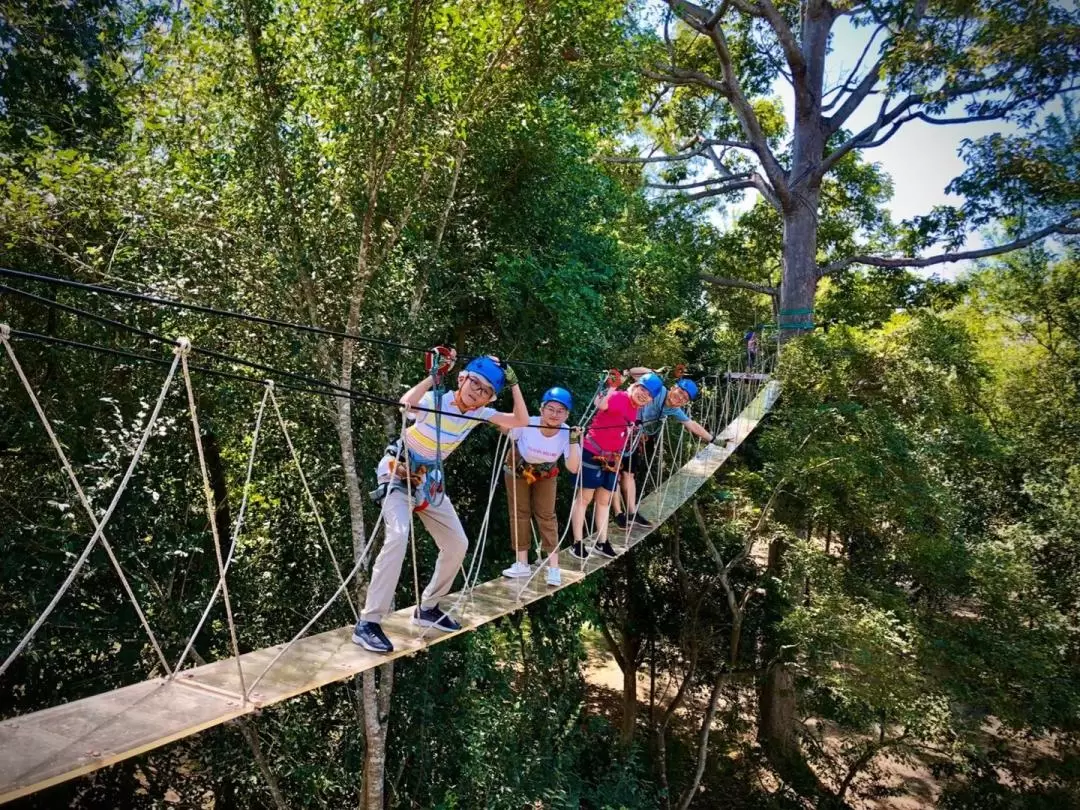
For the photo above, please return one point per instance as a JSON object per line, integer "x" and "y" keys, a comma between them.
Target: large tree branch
{"x": 792, "y": 52}
{"x": 679, "y": 156}
{"x": 1066, "y": 227}
{"x": 894, "y": 119}
{"x": 731, "y": 89}
{"x": 727, "y": 187}
{"x": 740, "y": 284}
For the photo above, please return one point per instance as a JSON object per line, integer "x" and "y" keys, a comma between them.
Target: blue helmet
{"x": 689, "y": 386}
{"x": 653, "y": 384}
{"x": 560, "y": 395}
{"x": 489, "y": 370}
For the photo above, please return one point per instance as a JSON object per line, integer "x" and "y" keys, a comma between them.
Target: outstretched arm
{"x": 601, "y": 400}
{"x": 697, "y": 430}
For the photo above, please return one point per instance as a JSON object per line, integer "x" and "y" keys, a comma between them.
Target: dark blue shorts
{"x": 593, "y": 475}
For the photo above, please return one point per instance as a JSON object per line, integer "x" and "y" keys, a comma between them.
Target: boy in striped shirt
{"x": 430, "y": 436}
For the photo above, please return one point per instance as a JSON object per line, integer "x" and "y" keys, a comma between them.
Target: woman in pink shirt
{"x": 616, "y": 413}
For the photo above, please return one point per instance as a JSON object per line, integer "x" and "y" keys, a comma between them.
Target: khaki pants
{"x": 443, "y": 524}
{"x": 532, "y": 501}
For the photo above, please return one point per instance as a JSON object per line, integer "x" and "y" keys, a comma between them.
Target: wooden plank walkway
{"x": 53, "y": 745}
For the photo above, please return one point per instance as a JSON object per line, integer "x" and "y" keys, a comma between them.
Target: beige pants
{"x": 532, "y": 501}
{"x": 443, "y": 524}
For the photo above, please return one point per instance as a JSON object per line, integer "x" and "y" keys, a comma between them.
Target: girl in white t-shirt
{"x": 532, "y": 467}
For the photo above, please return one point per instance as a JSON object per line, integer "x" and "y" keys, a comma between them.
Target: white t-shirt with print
{"x": 535, "y": 447}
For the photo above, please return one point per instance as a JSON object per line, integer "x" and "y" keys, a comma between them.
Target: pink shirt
{"x": 607, "y": 432}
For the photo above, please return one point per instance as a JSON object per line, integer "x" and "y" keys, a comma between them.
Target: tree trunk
{"x": 799, "y": 278}
{"x": 371, "y": 797}
{"x": 777, "y": 699}
{"x": 631, "y": 646}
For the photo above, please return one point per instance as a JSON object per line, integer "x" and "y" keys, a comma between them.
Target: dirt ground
{"x": 919, "y": 787}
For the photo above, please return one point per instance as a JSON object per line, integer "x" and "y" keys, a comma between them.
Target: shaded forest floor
{"x": 915, "y": 782}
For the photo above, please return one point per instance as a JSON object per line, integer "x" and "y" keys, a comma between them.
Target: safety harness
{"x": 531, "y": 473}
{"x": 409, "y": 472}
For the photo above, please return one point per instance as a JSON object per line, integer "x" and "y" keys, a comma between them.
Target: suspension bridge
{"x": 46, "y": 747}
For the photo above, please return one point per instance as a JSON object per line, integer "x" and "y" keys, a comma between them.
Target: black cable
{"x": 324, "y": 388}
{"x": 205, "y": 310}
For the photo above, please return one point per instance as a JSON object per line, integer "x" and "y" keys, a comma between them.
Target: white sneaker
{"x": 517, "y": 570}
{"x": 554, "y": 577}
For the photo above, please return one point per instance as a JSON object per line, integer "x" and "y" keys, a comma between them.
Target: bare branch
{"x": 696, "y": 17}
{"x": 682, "y": 78}
{"x": 717, "y": 15}
{"x": 847, "y": 85}
{"x": 698, "y": 151}
{"x": 1066, "y": 227}
{"x": 740, "y": 284}
{"x": 727, "y": 188}
{"x": 684, "y": 186}
{"x": 864, "y": 87}
{"x": 792, "y": 52}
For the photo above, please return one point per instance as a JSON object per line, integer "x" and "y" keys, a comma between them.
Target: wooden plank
{"x": 53, "y": 745}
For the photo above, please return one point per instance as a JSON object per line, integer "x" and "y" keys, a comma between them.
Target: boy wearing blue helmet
{"x": 532, "y": 467}
{"x": 431, "y": 437}
{"x": 669, "y": 403}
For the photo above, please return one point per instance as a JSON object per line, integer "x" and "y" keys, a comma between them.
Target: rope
{"x": 236, "y": 527}
{"x": 99, "y": 526}
{"x": 478, "y": 554}
{"x": 225, "y": 313}
{"x": 310, "y": 497}
{"x": 403, "y": 448}
{"x": 182, "y": 351}
{"x": 360, "y": 559}
{"x": 323, "y": 388}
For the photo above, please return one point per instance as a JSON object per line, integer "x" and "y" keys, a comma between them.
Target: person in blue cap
{"x": 670, "y": 402}
{"x": 434, "y": 434}
{"x": 532, "y": 469}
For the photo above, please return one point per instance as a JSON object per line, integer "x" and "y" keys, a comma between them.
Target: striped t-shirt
{"x": 453, "y": 428}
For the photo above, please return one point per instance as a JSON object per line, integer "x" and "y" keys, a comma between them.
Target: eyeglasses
{"x": 485, "y": 390}
{"x": 555, "y": 410}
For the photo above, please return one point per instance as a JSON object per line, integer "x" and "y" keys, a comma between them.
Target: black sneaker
{"x": 620, "y": 520}
{"x": 370, "y": 636}
{"x": 578, "y": 550}
{"x": 435, "y": 617}
{"x": 605, "y": 550}
{"x": 642, "y": 521}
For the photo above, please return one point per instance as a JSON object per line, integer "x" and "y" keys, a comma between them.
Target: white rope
{"x": 310, "y": 497}
{"x": 403, "y": 448}
{"x": 99, "y": 526}
{"x": 478, "y": 553}
{"x": 639, "y": 495}
{"x": 578, "y": 484}
{"x": 360, "y": 559}
{"x": 667, "y": 486}
{"x": 183, "y": 349}
{"x": 236, "y": 528}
